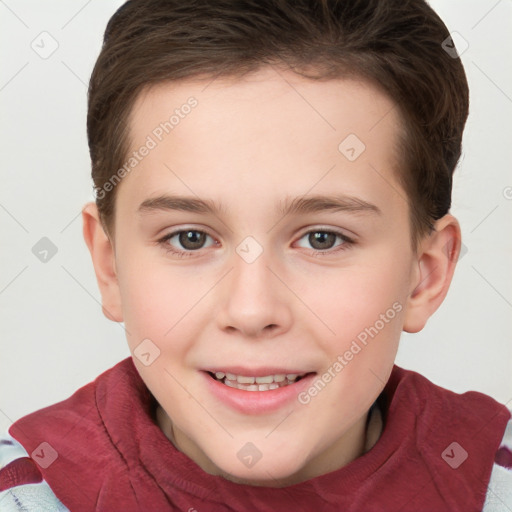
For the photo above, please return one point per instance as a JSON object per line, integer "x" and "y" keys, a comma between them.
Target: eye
{"x": 190, "y": 239}
{"x": 322, "y": 241}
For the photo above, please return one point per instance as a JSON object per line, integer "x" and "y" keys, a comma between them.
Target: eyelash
{"x": 348, "y": 242}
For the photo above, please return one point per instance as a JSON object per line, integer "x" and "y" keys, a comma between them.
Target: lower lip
{"x": 257, "y": 402}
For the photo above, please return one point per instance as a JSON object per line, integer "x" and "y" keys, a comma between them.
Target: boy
{"x": 263, "y": 374}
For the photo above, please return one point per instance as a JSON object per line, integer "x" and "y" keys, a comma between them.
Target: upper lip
{"x": 256, "y": 372}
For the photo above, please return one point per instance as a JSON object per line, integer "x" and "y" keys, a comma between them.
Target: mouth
{"x": 260, "y": 383}
{"x": 256, "y": 391}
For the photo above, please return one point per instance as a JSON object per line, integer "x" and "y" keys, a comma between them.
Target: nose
{"x": 255, "y": 303}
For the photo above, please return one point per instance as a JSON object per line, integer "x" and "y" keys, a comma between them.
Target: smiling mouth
{"x": 265, "y": 383}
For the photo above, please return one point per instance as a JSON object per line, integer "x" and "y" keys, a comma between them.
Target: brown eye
{"x": 192, "y": 240}
{"x": 322, "y": 239}
{"x": 188, "y": 242}
{"x": 323, "y": 242}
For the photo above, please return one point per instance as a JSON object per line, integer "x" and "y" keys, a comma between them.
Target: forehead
{"x": 270, "y": 132}
{"x": 327, "y": 105}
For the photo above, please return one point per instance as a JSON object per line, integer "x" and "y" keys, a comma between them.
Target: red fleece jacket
{"x": 111, "y": 455}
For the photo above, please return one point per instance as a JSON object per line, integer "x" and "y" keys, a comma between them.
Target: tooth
{"x": 263, "y": 387}
{"x": 220, "y": 375}
{"x": 230, "y": 376}
{"x": 273, "y": 385}
{"x": 231, "y": 383}
{"x": 264, "y": 380}
{"x": 245, "y": 380}
{"x": 292, "y": 376}
{"x": 279, "y": 378}
{"x": 252, "y": 387}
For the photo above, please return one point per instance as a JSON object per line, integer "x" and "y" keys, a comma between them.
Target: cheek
{"x": 348, "y": 300}
{"x": 156, "y": 300}
{"x": 365, "y": 311}
{"x": 364, "y": 306}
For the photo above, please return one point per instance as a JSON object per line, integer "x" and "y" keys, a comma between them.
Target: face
{"x": 271, "y": 281}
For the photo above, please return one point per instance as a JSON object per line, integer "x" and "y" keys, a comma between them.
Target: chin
{"x": 263, "y": 479}
{"x": 268, "y": 471}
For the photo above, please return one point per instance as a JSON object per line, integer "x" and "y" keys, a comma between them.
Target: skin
{"x": 249, "y": 143}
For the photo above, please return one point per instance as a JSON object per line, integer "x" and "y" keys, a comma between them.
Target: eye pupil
{"x": 191, "y": 239}
{"x": 322, "y": 237}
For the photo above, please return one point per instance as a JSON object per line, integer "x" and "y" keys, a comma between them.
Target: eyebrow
{"x": 297, "y": 205}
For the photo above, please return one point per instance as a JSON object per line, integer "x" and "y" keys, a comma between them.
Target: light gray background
{"x": 55, "y": 338}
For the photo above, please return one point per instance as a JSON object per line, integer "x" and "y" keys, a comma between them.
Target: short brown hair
{"x": 394, "y": 44}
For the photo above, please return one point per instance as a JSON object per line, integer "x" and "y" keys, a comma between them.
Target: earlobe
{"x": 103, "y": 258}
{"x": 436, "y": 261}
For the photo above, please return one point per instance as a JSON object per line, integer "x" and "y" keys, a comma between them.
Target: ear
{"x": 103, "y": 258}
{"x": 436, "y": 260}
